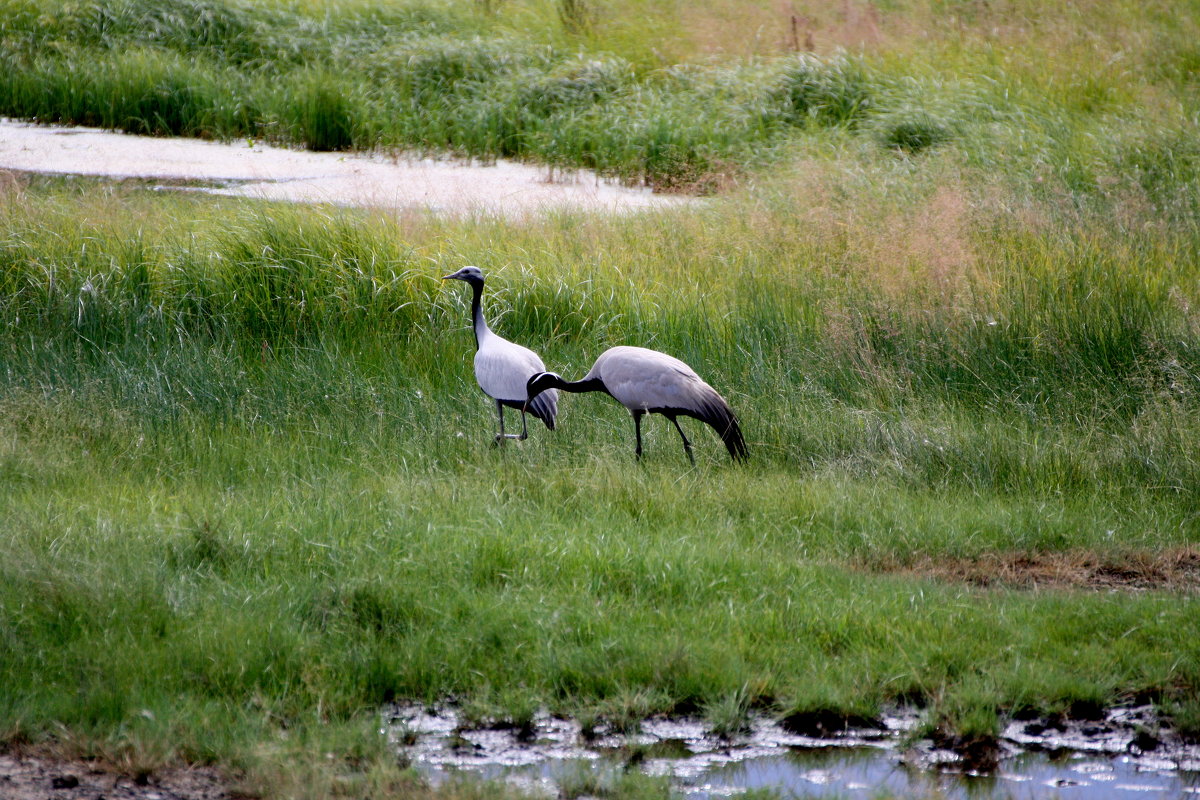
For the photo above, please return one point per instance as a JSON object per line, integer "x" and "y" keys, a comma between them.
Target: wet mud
{"x": 1126, "y": 753}
{"x": 26, "y": 776}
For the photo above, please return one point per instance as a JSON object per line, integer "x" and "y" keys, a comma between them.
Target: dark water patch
{"x": 1127, "y": 753}
{"x": 824, "y": 723}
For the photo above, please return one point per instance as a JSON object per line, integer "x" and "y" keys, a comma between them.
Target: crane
{"x": 649, "y": 382}
{"x": 503, "y": 368}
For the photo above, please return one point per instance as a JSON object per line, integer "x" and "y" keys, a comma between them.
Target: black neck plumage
{"x": 477, "y": 322}
{"x": 586, "y": 385}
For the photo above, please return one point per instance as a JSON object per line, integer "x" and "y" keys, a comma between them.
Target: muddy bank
{"x": 1125, "y": 752}
{"x": 32, "y": 777}
{"x": 1172, "y": 569}
{"x": 256, "y": 170}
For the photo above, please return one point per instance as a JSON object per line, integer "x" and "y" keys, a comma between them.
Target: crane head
{"x": 538, "y": 383}
{"x": 468, "y": 274}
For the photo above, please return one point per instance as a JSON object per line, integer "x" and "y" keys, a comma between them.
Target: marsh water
{"x": 1100, "y": 759}
{"x": 397, "y": 182}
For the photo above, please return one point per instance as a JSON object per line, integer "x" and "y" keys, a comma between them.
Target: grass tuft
{"x": 834, "y": 92}
{"x": 324, "y": 112}
{"x": 914, "y": 133}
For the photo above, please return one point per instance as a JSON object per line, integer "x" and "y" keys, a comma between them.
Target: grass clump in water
{"x": 1185, "y": 717}
{"x": 729, "y": 716}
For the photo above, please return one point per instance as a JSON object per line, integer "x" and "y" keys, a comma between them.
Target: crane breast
{"x": 503, "y": 368}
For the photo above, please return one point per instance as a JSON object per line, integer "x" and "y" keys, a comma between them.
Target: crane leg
{"x": 501, "y": 436}
{"x": 637, "y": 431}
{"x": 687, "y": 446}
{"x": 500, "y": 413}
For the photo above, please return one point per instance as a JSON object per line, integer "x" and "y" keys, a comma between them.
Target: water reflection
{"x": 856, "y": 764}
{"x": 859, "y": 772}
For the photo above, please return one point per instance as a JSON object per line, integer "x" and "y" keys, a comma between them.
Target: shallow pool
{"x": 1100, "y": 759}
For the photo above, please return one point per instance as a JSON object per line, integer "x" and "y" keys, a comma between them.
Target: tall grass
{"x": 456, "y": 77}
{"x": 1076, "y": 327}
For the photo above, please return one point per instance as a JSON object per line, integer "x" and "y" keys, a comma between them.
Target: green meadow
{"x": 946, "y": 270}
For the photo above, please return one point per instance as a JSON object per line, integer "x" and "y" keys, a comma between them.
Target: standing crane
{"x": 503, "y": 368}
{"x": 649, "y": 382}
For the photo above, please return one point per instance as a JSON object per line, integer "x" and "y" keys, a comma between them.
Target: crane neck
{"x": 477, "y": 321}
{"x": 585, "y": 385}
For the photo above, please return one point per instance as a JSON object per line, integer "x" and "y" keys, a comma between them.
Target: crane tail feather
{"x": 734, "y": 442}
{"x": 717, "y": 414}
{"x": 545, "y": 407}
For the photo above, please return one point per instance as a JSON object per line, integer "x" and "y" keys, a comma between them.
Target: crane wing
{"x": 645, "y": 379}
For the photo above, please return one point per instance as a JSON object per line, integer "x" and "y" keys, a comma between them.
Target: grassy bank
{"x": 248, "y": 486}
{"x": 616, "y": 86}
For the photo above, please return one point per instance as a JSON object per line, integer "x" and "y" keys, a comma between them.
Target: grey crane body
{"x": 649, "y": 382}
{"x": 503, "y": 368}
